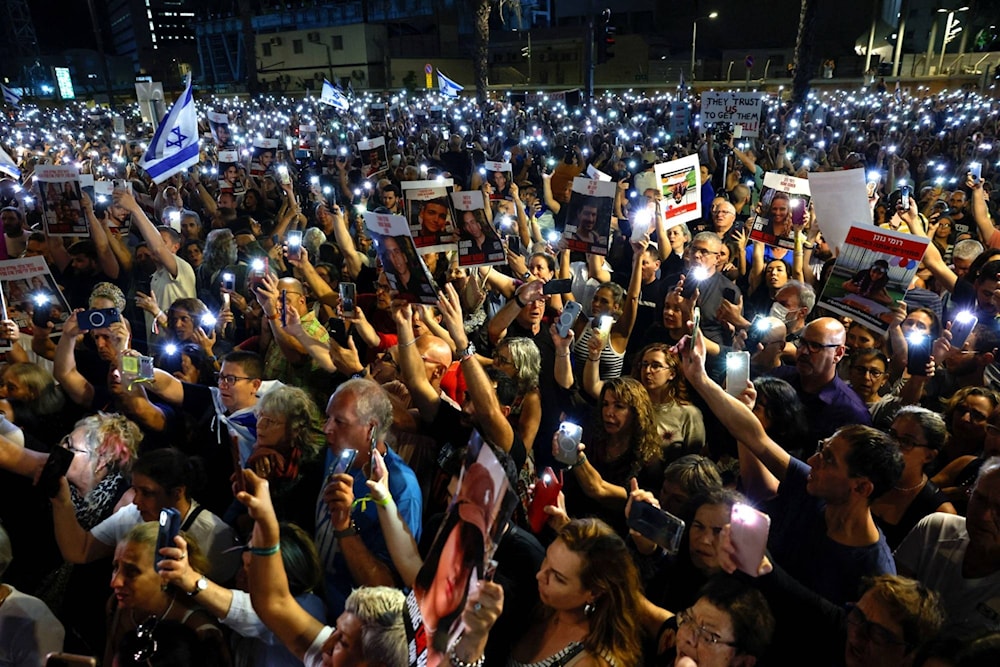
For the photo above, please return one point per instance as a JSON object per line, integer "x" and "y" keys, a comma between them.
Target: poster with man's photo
{"x": 478, "y": 240}
{"x": 28, "y": 285}
{"x": 588, "y": 222}
{"x": 308, "y": 137}
{"x": 264, "y": 156}
{"x": 679, "y": 183}
{"x": 498, "y": 175}
{"x": 406, "y": 271}
{"x": 783, "y": 205}
{"x": 428, "y": 208}
{"x": 377, "y": 112}
{"x": 461, "y": 554}
{"x": 59, "y": 193}
{"x": 222, "y": 134}
{"x": 872, "y": 273}
{"x": 230, "y": 179}
{"x": 374, "y": 157}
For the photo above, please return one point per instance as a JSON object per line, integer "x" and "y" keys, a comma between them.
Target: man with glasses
{"x": 828, "y": 401}
{"x": 959, "y": 557}
{"x": 703, "y": 257}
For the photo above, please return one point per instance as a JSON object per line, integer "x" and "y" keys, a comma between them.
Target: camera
{"x": 97, "y": 318}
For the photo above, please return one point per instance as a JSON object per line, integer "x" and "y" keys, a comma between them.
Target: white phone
{"x": 737, "y": 372}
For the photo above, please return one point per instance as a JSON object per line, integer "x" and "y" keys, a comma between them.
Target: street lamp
{"x": 951, "y": 30}
{"x": 694, "y": 37}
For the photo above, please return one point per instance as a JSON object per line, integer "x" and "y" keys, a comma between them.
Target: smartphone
{"x": 342, "y": 463}
{"x": 284, "y": 308}
{"x": 207, "y": 323}
{"x": 283, "y": 176}
{"x": 170, "y": 526}
{"x": 758, "y": 327}
{"x": 604, "y": 323}
{"x": 695, "y": 322}
{"x": 749, "y": 529}
{"x": 874, "y": 178}
{"x": 729, "y": 294}
{"x": 97, "y": 318}
{"x": 514, "y": 244}
{"x": 569, "y": 436}
{"x": 976, "y": 170}
{"x": 294, "y": 240}
{"x": 348, "y": 294}
{"x": 737, "y": 372}
{"x": 558, "y": 286}
{"x": 963, "y": 325}
{"x": 137, "y": 367}
{"x": 55, "y": 467}
{"x": 918, "y": 352}
{"x": 658, "y": 526}
{"x": 337, "y": 330}
{"x": 567, "y": 318}
{"x": 69, "y": 660}
{"x": 229, "y": 282}
{"x": 904, "y": 197}
{"x": 43, "y": 310}
{"x": 258, "y": 269}
{"x": 691, "y": 281}
{"x": 547, "y": 489}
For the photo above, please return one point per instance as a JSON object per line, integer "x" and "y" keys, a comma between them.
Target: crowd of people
{"x": 233, "y": 371}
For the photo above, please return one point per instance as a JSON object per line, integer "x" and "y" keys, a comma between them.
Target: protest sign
{"x": 738, "y": 108}
{"x": 59, "y": 193}
{"x": 783, "y": 205}
{"x": 680, "y": 119}
{"x": 872, "y": 273}
{"x": 840, "y": 200}
{"x": 428, "y": 209}
{"x": 498, "y": 175}
{"x": 588, "y": 223}
{"x": 263, "y": 156}
{"x": 229, "y": 172}
{"x": 478, "y": 240}
{"x": 308, "y": 137}
{"x": 374, "y": 156}
{"x": 218, "y": 123}
{"x": 679, "y": 182}
{"x": 596, "y": 174}
{"x": 406, "y": 271}
{"x": 27, "y": 284}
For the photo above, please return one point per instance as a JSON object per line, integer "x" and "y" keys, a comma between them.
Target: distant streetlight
{"x": 694, "y": 37}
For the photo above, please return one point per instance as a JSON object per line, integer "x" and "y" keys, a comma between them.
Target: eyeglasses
{"x": 826, "y": 457}
{"x": 871, "y": 631}
{"x": 146, "y": 645}
{"x": 67, "y": 443}
{"x": 865, "y": 370}
{"x": 701, "y": 633}
{"x": 502, "y": 360}
{"x": 698, "y": 252}
{"x": 907, "y": 443}
{"x": 386, "y": 358}
{"x": 265, "y": 421}
{"x": 230, "y": 380}
{"x": 652, "y": 366}
{"x": 379, "y": 287}
{"x": 815, "y": 347}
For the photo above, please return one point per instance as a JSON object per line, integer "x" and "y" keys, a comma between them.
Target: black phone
{"x": 55, "y": 467}
{"x": 284, "y": 308}
{"x": 337, "y": 330}
{"x": 558, "y": 286}
{"x": 729, "y": 294}
{"x": 97, "y": 318}
{"x": 43, "y": 310}
{"x": 658, "y": 526}
{"x": 514, "y": 244}
{"x": 918, "y": 352}
{"x": 348, "y": 294}
{"x": 294, "y": 239}
{"x": 342, "y": 463}
{"x": 170, "y": 526}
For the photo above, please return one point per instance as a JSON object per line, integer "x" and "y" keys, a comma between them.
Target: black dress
{"x": 926, "y": 502}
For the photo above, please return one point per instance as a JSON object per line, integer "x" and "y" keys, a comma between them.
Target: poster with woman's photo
{"x": 588, "y": 222}
{"x": 478, "y": 240}
{"x": 374, "y": 157}
{"x": 461, "y": 552}
{"x": 218, "y": 123}
{"x": 230, "y": 179}
{"x": 28, "y": 285}
{"x": 263, "y": 157}
{"x": 498, "y": 175}
{"x": 783, "y": 204}
{"x": 428, "y": 208}
{"x": 872, "y": 273}
{"x": 406, "y": 271}
{"x": 59, "y": 193}
{"x": 679, "y": 183}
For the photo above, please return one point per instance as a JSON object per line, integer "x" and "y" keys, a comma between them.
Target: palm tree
{"x": 804, "y": 62}
{"x": 481, "y": 43}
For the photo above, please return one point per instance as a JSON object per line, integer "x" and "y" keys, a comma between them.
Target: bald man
{"x": 829, "y": 401}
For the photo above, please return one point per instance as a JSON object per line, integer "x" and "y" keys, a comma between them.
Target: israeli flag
{"x": 447, "y": 86}
{"x": 10, "y": 96}
{"x": 7, "y": 164}
{"x": 334, "y": 97}
{"x": 175, "y": 144}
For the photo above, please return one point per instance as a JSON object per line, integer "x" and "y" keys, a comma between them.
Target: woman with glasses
{"x": 867, "y": 370}
{"x": 519, "y": 359}
{"x": 920, "y": 434}
{"x": 966, "y": 414}
{"x": 958, "y": 477}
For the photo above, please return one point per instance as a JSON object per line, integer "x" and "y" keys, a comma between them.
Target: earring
{"x": 588, "y": 609}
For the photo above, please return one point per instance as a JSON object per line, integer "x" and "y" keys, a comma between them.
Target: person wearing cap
{"x": 871, "y": 283}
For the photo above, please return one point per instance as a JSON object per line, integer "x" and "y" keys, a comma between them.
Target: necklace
{"x": 165, "y": 614}
{"x": 923, "y": 480}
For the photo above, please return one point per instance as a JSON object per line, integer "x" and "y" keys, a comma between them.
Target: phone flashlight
{"x": 40, "y": 299}
{"x": 963, "y": 317}
{"x": 257, "y": 264}
{"x": 734, "y": 362}
{"x": 553, "y": 237}
{"x": 170, "y": 349}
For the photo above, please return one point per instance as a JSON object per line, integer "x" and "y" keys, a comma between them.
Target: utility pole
{"x": 588, "y": 54}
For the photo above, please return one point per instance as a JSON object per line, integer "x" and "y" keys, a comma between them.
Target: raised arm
{"x": 75, "y": 544}
{"x": 411, "y": 366}
{"x": 79, "y": 390}
{"x": 150, "y": 234}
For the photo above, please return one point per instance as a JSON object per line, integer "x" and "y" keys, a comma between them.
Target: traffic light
{"x": 605, "y": 37}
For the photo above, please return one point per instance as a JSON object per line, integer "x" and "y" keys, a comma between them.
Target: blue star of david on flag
{"x": 175, "y": 144}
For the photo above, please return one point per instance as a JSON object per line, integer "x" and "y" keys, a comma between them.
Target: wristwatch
{"x": 199, "y": 586}
{"x": 527, "y": 276}
{"x": 468, "y": 352}
{"x": 350, "y": 531}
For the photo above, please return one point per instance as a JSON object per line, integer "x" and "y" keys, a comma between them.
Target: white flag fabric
{"x": 175, "y": 144}
{"x": 447, "y": 86}
{"x": 334, "y": 97}
{"x": 7, "y": 164}
{"x": 10, "y": 96}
